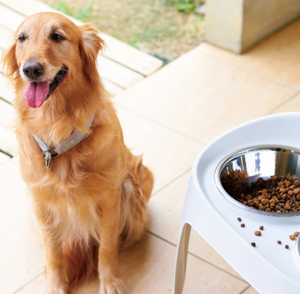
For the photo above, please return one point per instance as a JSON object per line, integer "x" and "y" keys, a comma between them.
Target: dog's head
{"x": 50, "y": 51}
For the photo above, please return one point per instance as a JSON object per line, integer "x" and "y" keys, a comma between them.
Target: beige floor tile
{"x": 251, "y": 290}
{"x": 147, "y": 268}
{"x": 202, "y": 97}
{"x": 165, "y": 211}
{"x": 277, "y": 57}
{"x": 21, "y": 253}
{"x": 166, "y": 153}
{"x": 153, "y": 261}
{"x": 290, "y": 106}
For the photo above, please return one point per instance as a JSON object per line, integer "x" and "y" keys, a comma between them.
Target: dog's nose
{"x": 33, "y": 69}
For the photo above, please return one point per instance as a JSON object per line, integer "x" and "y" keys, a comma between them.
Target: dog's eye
{"x": 21, "y": 38}
{"x": 57, "y": 37}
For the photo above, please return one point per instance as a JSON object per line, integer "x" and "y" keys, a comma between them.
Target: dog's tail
{"x": 81, "y": 262}
{"x": 136, "y": 191}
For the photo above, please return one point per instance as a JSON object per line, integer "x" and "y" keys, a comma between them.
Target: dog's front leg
{"x": 108, "y": 266}
{"x": 56, "y": 273}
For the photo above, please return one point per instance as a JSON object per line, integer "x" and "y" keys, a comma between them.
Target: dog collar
{"x": 64, "y": 146}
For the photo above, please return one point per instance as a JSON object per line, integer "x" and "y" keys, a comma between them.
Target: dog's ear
{"x": 89, "y": 49}
{"x": 9, "y": 62}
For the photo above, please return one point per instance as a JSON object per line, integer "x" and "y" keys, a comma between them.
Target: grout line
{"x": 285, "y": 102}
{"x": 126, "y": 66}
{"x": 6, "y": 101}
{"x": 249, "y": 286}
{"x": 158, "y": 123}
{"x": 7, "y": 154}
{"x": 108, "y": 80}
{"x": 33, "y": 279}
{"x": 196, "y": 256}
{"x": 172, "y": 181}
{"x": 251, "y": 72}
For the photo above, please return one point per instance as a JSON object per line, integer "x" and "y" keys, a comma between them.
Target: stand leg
{"x": 181, "y": 258}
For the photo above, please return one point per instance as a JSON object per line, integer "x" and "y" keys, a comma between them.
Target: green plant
{"x": 63, "y": 7}
{"x": 186, "y": 6}
{"x": 83, "y": 14}
{"x": 134, "y": 42}
{"x": 194, "y": 29}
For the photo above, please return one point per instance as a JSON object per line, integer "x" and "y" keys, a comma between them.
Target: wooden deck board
{"x": 4, "y": 158}
{"x": 10, "y": 19}
{"x": 6, "y": 114}
{"x": 112, "y": 88}
{"x": 118, "y": 51}
{"x": 117, "y": 74}
{"x": 6, "y": 38}
{"x": 6, "y": 90}
{"x": 8, "y": 142}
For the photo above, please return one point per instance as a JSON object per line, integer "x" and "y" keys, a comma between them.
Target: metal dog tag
{"x": 48, "y": 158}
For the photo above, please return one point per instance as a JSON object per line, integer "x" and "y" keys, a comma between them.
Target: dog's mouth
{"x": 37, "y": 93}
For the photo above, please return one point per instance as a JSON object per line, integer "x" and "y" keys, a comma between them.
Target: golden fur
{"x": 94, "y": 194}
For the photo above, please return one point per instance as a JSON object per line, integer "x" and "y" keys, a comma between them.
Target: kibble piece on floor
{"x": 292, "y": 237}
{"x": 296, "y": 234}
{"x": 279, "y": 242}
{"x": 253, "y": 244}
{"x": 243, "y": 225}
{"x": 257, "y": 233}
{"x": 261, "y": 227}
{"x": 239, "y": 219}
{"x": 287, "y": 246}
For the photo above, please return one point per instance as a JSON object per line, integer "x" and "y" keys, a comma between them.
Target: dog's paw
{"x": 112, "y": 286}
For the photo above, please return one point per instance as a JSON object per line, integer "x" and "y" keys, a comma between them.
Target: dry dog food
{"x": 239, "y": 219}
{"x": 261, "y": 228}
{"x": 257, "y": 233}
{"x": 292, "y": 237}
{"x": 279, "y": 242}
{"x": 277, "y": 194}
{"x": 287, "y": 246}
{"x": 243, "y": 225}
{"x": 253, "y": 244}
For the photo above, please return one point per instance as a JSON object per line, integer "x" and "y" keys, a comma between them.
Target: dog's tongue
{"x": 36, "y": 94}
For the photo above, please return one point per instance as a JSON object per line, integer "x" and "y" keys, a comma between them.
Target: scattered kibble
{"x": 279, "y": 242}
{"x": 253, "y": 244}
{"x": 277, "y": 194}
{"x": 292, "y": 237}
{"x": 257, "y": 233}
{"x": 239, "y": 219}
{"x": 243, "y": 225}
{"x": 296, "y": 234}
{"x": 261, "y": 228}
{"x": 287, "y": 246}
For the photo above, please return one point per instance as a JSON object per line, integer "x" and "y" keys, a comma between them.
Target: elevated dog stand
{"x": 268, "y": 267}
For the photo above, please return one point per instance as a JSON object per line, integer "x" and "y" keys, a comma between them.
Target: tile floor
{"x": 169, "y": 117}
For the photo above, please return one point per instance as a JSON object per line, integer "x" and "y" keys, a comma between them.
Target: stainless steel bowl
{"x": 298, "y": 251}
{"x": 259, "y": 161}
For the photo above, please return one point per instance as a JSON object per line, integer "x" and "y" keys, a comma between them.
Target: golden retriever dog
{"x": 92, "y": 200}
